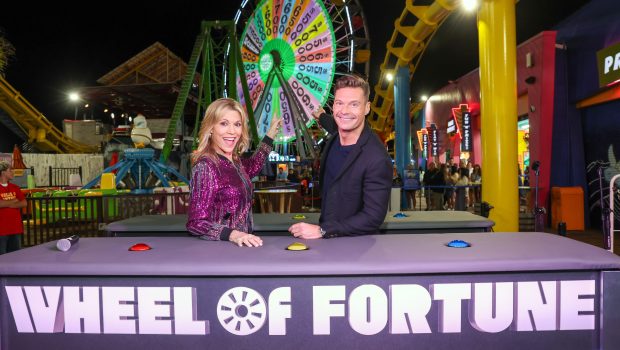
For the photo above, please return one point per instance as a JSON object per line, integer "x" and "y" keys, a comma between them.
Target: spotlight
{"x": 470, "y": 5}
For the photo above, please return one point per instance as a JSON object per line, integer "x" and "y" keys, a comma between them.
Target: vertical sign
{"x": 466, "y": 142}
{"x": 434, "y": 140}
{"x": 425, "y": 145}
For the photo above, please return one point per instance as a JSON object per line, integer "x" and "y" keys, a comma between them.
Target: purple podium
{"x": 507, "y": 290}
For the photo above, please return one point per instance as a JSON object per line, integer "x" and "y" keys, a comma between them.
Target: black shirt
{"x": 335, "y": 160}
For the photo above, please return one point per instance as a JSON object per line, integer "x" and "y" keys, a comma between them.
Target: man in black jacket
{"x": 356, "y": 171}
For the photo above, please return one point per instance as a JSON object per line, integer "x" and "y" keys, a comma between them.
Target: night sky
{"x": 56, "y": 53}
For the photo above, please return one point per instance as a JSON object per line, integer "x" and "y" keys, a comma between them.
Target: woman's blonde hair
{"x": 214, "y": 113}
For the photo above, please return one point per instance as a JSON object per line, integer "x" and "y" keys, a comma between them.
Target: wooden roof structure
{"x": 147, "y": 83}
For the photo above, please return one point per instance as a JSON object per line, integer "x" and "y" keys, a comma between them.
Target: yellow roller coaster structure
{"x": 405, "y": 48}
{"x": 40, "y": 132}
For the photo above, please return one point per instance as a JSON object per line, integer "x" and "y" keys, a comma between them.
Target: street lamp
{"x": 74, "y": 97}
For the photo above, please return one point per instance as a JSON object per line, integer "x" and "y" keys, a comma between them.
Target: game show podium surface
{"x": 278, "y": 224}
{"x": 507, "y": 290}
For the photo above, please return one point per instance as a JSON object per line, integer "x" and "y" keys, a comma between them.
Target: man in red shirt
{"x": 11, "y": 201}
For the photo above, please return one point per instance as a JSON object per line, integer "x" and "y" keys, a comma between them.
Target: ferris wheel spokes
{"x": 293, "y": 115}
{"x": 306, "y": 146}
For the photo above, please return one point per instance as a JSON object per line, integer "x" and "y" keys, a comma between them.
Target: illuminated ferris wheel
{"x": 291, "y": 52}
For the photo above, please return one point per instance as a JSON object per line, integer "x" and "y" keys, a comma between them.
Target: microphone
{"x": 66, "y": 243}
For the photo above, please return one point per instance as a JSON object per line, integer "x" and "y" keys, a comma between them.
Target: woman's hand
{"x": 274, "y": 127}
{"x": 247, "y": 239}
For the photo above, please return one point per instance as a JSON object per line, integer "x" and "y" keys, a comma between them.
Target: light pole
{"x": 74, "y": 97}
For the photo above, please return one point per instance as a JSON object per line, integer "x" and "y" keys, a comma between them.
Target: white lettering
{"x": 609, "y": 60}
{"x": 118, "y": 310}
{"x": 78, "y": 308}
{"x": 279, "y": 310}
{"x": 322, "y": 308}
{"x": 571, "y": 305}
{"x": 45, "y": 306}
{"x": 612, "y": 60}
{"x": 410, "y": 305}
{"x": 491, "y": 309}
{"x": 536, "y": 306}
{"x": 368, "y": 309}
{"x": 450, "y": 309}
{"x": 185, "y": 313}
{"x": 19, "y": 308}
{"x": 153, "y": 314}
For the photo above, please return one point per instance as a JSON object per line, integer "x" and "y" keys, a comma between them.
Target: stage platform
{"x": 508, "y": 290}
{"x": 278, "y": 224}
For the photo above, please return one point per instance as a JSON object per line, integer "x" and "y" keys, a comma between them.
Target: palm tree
{"x": 7, "y": 51}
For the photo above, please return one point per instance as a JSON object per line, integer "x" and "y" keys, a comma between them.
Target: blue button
{"x": 457, "y": 243}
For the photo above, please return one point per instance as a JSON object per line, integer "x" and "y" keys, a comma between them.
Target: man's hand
{"x": 305, "y": 231}
{"x": 317, "y": 114}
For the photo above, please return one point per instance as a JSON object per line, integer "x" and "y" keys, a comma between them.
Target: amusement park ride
{"x": 287, "y": 57}
{"x": 284, "y": 62}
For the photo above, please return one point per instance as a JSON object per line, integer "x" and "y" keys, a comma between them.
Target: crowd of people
{"x": 452, "y": 186}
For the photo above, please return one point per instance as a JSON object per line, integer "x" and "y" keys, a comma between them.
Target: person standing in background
{"x": 11, "y": 201}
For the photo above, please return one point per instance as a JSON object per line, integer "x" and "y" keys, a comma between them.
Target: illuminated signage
{"x": 276, "y": 157}
{"x": 608, "y": 60}
{"x": 425, "y": 144}
{"x": 466, "y": 141}
{"x": 434, "y": 140}
{"x": 451, "y": 129}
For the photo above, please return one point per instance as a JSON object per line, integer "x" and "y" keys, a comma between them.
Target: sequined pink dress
{"x": 221, "y": 194}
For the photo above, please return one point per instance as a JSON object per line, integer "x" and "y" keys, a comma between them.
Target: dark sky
{"x": 56, "y": 52}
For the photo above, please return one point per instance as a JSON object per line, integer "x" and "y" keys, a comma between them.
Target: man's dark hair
{"x": 353, "y": 81}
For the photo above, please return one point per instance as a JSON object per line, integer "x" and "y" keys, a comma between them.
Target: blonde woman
{"x": 221, "y": 186}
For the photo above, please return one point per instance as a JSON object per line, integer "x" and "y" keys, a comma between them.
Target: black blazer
{"x": 357, "y": 200}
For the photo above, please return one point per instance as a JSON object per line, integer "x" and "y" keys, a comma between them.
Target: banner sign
{"x": 466, "y": 141}
{"x": 434, "y": 140}
{"x": 421, "y": 140}
{"x": 608, "y": 61}
{"x": 405, "y": 312}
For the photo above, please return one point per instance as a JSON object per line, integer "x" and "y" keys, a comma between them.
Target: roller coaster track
{"x": 405, "y": 49}
{"x": 38, "y": 130}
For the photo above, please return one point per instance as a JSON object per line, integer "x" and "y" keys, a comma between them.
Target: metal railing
{"x": 614, "y": 194}
{"x": 442, "y": 197}
{"x": 49, "y": 218}
{"x": 61, "y": 176}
